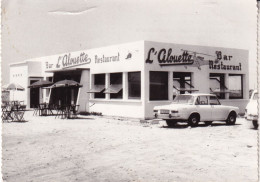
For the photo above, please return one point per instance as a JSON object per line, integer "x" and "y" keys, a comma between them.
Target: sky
{"x": 37, "y": 28}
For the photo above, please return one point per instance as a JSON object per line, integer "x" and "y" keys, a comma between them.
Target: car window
{"x": 183, "y": 99}
{"x": 202, "y": 100}
{"x": 214, "y": 100}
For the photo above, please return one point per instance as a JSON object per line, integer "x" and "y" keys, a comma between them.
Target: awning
{"x": 113, "y": 89}
{"x": 216, "y": 91}
{"x": 177, "y": 82}
{"x": 96, "y": 89}
{"x": 185, "y": 89}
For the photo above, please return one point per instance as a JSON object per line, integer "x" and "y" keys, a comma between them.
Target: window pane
{"x": 134, "y": 85}
{"x": 99, "y": 79}
{"x": 158, "y": 85}
{"x": 235, "y": 87}
{"x": 182, "y": 81}
{"x": 116, "y": 79}
{"x": 217, "y": 84}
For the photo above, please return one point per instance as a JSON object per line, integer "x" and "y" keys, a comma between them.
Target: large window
{"x": 182, "y": 83}
{"x": 115, "y": 88}
{"x": 158, "y": 85}
{"x": 134, "y": 85}
{"x": 235, "y": 86}
{"x": 217, "y": 85}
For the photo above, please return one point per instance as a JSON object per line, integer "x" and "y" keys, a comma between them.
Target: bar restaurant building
{"x": 130, "y": 79}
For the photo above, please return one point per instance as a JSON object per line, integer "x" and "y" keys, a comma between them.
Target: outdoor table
{"x": 13, "y": 113}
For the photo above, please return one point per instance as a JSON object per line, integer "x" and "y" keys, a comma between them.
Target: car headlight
{"x": 173, "y": 111}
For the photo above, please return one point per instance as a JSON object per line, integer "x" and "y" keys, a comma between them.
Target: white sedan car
{"x": 251, "y": 109}
{"x": 193, "y": 108}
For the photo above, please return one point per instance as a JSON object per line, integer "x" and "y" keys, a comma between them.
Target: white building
{"x": 130, "y": 79}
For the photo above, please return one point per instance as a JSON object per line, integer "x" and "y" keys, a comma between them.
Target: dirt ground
{"x": 92, "y": 149}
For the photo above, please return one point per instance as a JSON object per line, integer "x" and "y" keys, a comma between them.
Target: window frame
{"x": 242, "y": 87}
{"x": 166, "y": 85}
{"x": 132, "y": 83}
{"x": 101, "y": 94}
{"x": 118, "y": 95}
{"x": 219, "y": 77}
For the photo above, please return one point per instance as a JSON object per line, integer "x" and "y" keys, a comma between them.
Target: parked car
{"x": 194, "y": 108}
{"x": 251, "y": 109}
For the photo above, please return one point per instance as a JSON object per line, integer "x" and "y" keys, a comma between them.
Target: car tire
{"x": 207, "y": 123}
{"x": 171, "y": 123}
{"x": 193, "y": 120}
{"x": 231, "y": 120}
{"x": 255, "y": 123}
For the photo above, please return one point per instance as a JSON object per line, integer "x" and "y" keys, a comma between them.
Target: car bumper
{"x": 251, "y": 117}
{"x": 169, "y": 116}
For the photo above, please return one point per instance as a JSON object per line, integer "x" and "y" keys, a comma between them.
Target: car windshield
{"x": 255, "y": 97}
{"x": 183, "y": 99}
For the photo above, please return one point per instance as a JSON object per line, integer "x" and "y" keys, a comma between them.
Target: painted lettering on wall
{"x": 222, "y": 63}
{"x": 166, "y": 57}
{"x": 106, "y": 59}
{"x": 66, "y": 61}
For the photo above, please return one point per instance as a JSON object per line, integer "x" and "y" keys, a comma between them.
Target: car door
{"x": 203, "y": 108}
{"x": 218, "y": 111}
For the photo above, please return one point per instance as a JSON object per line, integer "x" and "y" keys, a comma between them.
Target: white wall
{"x": 131, "y": 109}
{"x": 83, "y": 96}
{"x": 19, "y": 75}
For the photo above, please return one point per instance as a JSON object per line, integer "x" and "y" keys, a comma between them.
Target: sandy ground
{"x": 92, "y": 149}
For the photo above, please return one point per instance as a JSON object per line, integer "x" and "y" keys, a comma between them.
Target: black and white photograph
{"x": 130, "y": 91}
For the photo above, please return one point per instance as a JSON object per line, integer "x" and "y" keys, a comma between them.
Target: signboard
{"x": 166, "y": 57}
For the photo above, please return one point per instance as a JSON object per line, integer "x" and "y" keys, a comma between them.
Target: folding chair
{"x": 36, "y": 110}
{"x": 7, "y": 113}
{"x": 61, "y": 111}
{"x": 74, "y": 111}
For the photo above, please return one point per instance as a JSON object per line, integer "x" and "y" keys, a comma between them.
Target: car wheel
{"x": 171, "y": 123}
{"x": 193, "y": 120}
{"x": 207, "y": 123}
{"x": 255, "y": 123}
{"x": 231, "y": 120}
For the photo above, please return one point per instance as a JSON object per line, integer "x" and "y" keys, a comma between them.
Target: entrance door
{"x": 34, "y": 95}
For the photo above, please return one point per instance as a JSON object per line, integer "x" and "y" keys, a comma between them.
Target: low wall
{"x": 133, "y": 109}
